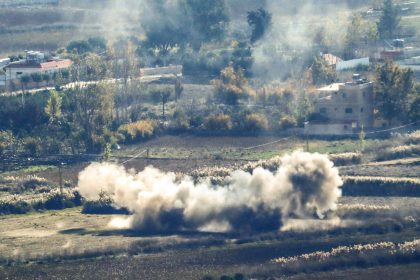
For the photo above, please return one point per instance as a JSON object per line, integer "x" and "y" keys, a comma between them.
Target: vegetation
{"x": 395, "y": 91}
{"x": 260, "y": 21}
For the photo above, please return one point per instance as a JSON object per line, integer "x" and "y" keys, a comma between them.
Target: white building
{"x": 35, "y": 62}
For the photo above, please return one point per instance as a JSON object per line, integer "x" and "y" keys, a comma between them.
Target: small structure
{"x": 4, "y": 62}
{"x": 343, "y": 108}
{"x": 331, "y": 59}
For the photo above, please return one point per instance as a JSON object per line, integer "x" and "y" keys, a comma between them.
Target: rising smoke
{"x": 306, "y": 186}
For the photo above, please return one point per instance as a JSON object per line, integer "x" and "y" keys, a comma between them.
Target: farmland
{"x": 56, "y": 242}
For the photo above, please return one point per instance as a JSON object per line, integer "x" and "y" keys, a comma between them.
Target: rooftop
{"x": 332, "y": 87}
{"x": 57, "y": 63}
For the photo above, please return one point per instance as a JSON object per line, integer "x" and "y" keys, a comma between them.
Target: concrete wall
{"x": 168, "y": 70}
{"x": 327, "y": 129}
{"x": 350, "y": 64}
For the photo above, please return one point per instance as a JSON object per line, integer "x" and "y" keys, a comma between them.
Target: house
{"x": 331, "y": 59}
{"x": 4, "y": 62}
{"x": 343, "y": 108}
{"x": 35, "y": 62}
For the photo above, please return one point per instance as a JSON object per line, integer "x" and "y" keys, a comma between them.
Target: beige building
{"x": 343, "y": 108}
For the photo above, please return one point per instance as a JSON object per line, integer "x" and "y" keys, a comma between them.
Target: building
{"x": 35, "y": 62}
{"x": 343, "y": 108}
{"x": 4, "y": 62}
{"x": 331, "y": 59}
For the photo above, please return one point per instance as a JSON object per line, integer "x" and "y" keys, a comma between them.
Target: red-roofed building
{"x": 18, "y": 69}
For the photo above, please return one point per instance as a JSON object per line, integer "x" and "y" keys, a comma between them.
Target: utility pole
{"x": 60, "y": 175}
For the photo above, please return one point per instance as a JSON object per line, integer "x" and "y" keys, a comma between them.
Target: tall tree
{"x": 394, "y": 89}
{"x": 210, "y": 18}
{"x": 93, "y": 113}
{"x": 53, "y": 107}
{"x": 260, "y": 21}
{"x": 321, "y": 72}
{"x": 359, "y": 32}
{"x": 390, "y": 20}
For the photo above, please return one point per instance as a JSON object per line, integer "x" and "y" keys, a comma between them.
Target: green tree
{"x": 179, "y": 88}
{"x": 37, "y": 78}
{"x": 58, "y": 80}
{"x": 322, "y": 73}
{"x": 209, "y": 17}
{"x": 242, "y": 58}
{"x": 92, "y": 108}
{"x": 390, "y": 20}
{"x": 414, "y": 113}
{"x": 162, "y": 95}
{"x": 53, "y": 107}
{"x": 394, "y": 89}
{"x": 7, "y": 142}
{"x": 232, "y": 86}
{"x": 259, "y": 21}
{"x": 79, "y": 47}
{"x": 24, "y": 81}
{"x": 359, "y": 32}
{"x": 46, "y": 78}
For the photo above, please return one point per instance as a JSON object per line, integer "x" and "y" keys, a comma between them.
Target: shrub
{"x": 255, "y": 122}
{"x": 33, "y": 146}
{"x": 400, "y": 152}
{"x": 104, "y": 205}
{"x": 218, "y": 122}
{"x": 287, "y": 122}
{"x": 142, "y": 129}
{"x": 346, "y": 158}
{"x": 380, "y": 186}
{"x": 55, "y": 200}
{"x": 232, "y": 86}
{"x": 14, "y": 207}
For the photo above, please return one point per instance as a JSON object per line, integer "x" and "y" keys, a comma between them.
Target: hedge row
{"x": 380, "y": 186}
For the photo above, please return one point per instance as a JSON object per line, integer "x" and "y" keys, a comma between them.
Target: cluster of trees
{"x": 397, "y": 96}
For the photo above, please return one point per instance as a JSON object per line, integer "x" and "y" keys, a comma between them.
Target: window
{"x": 344, "y": 95}
{"x": 323, "y": 110}
{"x": 349, "y": 110}
{"x": 19, "y": 73}
{"x": 346, "y": 127}
{"x": 361, "y": 110}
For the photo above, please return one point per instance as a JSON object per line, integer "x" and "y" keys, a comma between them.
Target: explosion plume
{"x": 306, "y": 186}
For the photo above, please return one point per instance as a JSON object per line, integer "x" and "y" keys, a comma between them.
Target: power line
{"x": 263, "y": 145}
{"x": 134, "y": 157}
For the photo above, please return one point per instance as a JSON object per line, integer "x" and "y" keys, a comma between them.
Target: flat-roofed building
{"x": 343, "y": 108}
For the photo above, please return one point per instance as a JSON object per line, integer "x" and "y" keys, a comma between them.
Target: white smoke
{"x": 306, "y": 186}
{"x": 289, "y": 44}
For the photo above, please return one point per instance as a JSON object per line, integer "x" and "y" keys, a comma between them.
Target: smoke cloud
{"x": 306, "y": 186}
{"x": 300, "y": 29}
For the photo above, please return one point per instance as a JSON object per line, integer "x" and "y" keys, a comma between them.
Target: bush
{"x": 232, "y": 86}
{"x": 33, "y": 146}
{"x": 287, "y": 122}
{"x": 400, "y": 152}
{"x": 104, "y": 205}
{"x": 380, "y": 186}
{"x": 14, "y": 207}
{"x": 346, "y": 158}
{"x": 218, "y": 123}
{"x": 255, "y": 122}
{"x": 142, "y": 129}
